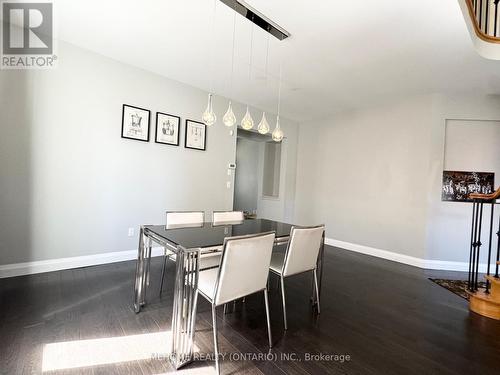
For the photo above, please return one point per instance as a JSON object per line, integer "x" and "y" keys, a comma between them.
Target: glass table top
{"x": 208, "y": 234}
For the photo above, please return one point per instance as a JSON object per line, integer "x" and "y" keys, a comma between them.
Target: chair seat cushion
{"x": 207, "y": 260}
{"x": 206, "y": 282}
{"x": 210, "y": 260}
{"x": 277, "y": 260}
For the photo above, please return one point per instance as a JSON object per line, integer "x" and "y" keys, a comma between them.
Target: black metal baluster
{"x": 473, "y": 264}
{"x": 471, "y": 257}
{"x": 474, "y": 247}
{"x": 496, "y": 18}
{"x": 486, "y": 17}
{"x": 489, "y": 247}
{"x": 478, "y": 243}
{"x": 481, "y": 14}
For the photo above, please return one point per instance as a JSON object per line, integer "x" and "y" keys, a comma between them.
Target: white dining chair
{"x": 243, "y": 270}
{"x": 301, "y": 256}
{"x": 227, "y": 217}
{"x": 181, "y": 219}
{"x": 188, "y": 219}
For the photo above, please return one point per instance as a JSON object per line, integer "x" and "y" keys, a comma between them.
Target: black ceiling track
{"x": 257, "y": 18}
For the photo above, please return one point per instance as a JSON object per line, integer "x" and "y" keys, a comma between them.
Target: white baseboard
{"x": 429, "y": 264}
{"x": 19, "y": 269}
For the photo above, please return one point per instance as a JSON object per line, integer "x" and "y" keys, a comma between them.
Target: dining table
{"x": 187, "y": 243}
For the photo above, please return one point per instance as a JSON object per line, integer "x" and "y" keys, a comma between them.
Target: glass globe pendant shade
{"x": 247, "y": 121}
{"x": 229, "y": 118}
{"x": 277, "y": 132}
{"x": 263, "y": 127}
{"x": 209, "y": 116}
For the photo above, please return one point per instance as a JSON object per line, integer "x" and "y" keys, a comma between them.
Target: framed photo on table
{"x": 167, "y": 129}
{"x": 195, "y": 135}
{"x": 135, "y": 123}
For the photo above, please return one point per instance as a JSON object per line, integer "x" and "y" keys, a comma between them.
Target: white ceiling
{"x": 342, "y": 53}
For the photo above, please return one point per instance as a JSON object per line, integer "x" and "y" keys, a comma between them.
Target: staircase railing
{"x": 486, "y": 19}
{"x": 479, "y": 200}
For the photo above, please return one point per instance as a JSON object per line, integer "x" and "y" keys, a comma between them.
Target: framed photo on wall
{"x": 195, "y": 135}
{"x": 457, "y": 185}
{"x": 167, "y": 129}
{"x": 135, "y": 123}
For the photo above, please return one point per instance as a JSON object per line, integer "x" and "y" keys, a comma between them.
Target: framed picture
{"x": 167, "y": 129}
{"x": 135, "y": 123}
{"x": 457, "y": 185}
{"x": 195, "y": 135}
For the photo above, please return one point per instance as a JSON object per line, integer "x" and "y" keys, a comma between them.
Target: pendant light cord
{"x": 212, "y": 53}
{"x": 232, "y": 56}
{"x": 279, "y": 91}
{"x": 250, "y": 58}
{"x": 267, "y": 57}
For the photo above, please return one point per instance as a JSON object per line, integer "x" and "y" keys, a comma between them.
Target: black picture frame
{"x": 128, "y": 106}
{"x": 187, "y": 133}
{"x": 158, "y": 114}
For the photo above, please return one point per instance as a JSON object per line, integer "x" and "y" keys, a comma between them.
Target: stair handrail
{"x": 486, "y": 197}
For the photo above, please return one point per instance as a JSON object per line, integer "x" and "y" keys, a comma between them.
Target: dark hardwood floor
{"x": 387, "y": 317}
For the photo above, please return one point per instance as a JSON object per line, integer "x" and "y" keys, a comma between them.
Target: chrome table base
{"x": 184, "y": 304}
{"x": 185, "y": 296}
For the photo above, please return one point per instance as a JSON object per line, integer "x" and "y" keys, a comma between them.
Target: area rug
{"x": 459, "y": 287}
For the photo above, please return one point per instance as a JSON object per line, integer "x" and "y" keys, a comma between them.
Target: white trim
{"x": 28, "y": 268}
{"x": 39, "y": 266}
{"x": 429, "y": 264}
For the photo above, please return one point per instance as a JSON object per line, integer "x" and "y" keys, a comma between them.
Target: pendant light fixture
{"x": 277, "y": 132}
{"x": 208, "y": 117}
{"x": 229, "y": 118}
{"x": 247, "y": 120}
{"x": 263, "y": 127}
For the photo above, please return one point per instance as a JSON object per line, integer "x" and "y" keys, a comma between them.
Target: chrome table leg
{"x": 139, "y": 274}
{"x": 163, "y": 268}
{"x": 147, "y": 268}
{"x": 184, "y": 306}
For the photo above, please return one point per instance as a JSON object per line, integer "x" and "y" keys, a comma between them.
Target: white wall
{"x": 448, "y": 225}
{"x": 364, "y": 174}
{"x": 469, "y": 146}
{"x": 373, "y": 176}
{"x": 70, "y": 186}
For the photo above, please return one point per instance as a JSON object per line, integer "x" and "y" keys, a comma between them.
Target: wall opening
{"x": 272, "y": 169}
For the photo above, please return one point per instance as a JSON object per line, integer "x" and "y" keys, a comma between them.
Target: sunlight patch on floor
{"x": 102, "y": 351}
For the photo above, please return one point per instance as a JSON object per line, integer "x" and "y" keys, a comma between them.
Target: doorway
{"x": 258, "y": 171}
